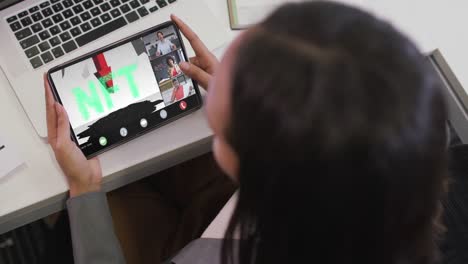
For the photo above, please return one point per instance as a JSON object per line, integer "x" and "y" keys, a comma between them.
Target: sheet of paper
{"x": 9, "y": 158}
{"x": 248, "y": 12}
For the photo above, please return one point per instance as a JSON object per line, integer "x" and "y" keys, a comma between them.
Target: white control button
{"x": 163, "y": 114}
{"x": 123, "y": 132}
{"x": 143, "y": 123}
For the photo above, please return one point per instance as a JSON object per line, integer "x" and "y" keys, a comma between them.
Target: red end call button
{"x": 183, "y": 105}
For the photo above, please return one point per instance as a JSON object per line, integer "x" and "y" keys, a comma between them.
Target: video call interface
{"x": 126, "y": 90}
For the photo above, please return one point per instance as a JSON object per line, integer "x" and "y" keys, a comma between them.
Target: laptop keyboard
{"x": 52, "y": 28}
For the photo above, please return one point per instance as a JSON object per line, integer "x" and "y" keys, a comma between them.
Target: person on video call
{"x": 178, "y": 91}
{"x": 173, "y": 68}
{"x": 164, "y": 46}
{"x": 339, "y": 159}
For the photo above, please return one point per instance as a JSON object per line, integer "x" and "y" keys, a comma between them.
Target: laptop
{"x": 38, "y": 35}
{"x": 455, "y": 95}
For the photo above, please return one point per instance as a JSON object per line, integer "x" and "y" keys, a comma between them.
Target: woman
{"x": 177, "y": 91}
{"x": 340, "y": 159}
{"x": 173, "y": 69}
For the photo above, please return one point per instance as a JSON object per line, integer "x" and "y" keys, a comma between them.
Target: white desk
{"x": 432, "y": 24}
{"x": 38, "y": 188}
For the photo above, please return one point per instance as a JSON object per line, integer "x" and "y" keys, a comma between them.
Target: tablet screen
{"x": 126, "y": 89}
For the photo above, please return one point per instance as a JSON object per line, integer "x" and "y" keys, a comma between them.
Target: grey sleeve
{"x": 92, "y": 230}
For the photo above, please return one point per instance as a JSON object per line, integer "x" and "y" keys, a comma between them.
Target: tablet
{"x": 126, "y": 89}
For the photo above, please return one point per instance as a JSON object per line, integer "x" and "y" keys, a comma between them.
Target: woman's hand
{"x": 82, "y": 175}
{"x": 202, "y": 66}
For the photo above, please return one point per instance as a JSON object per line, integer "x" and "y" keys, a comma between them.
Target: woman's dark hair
{"x": 342, "y": 157}
{"x": 169, "y": 58}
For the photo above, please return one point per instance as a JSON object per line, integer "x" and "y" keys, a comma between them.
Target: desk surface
{"x": 38, "y": 188}
{"x": 432, "y": 25}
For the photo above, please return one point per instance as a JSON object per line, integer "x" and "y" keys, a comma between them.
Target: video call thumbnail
{"x": 164, "y": 50}
{"x": 116, "y": 87}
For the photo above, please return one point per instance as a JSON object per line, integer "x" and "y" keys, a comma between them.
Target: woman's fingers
{"x": 196, "y": 73}
{"x": 203, "y": 64}
{"x": 63, "y": 126}
{"x": 51, "y": 114}
{"x": 194, "y": 60}
{"x": 197, "y": 45}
